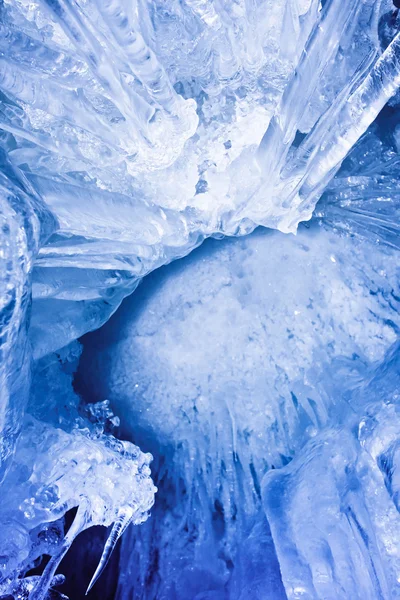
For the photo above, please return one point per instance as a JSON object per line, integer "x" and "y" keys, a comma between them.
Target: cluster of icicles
{"x": 106, "y": 479}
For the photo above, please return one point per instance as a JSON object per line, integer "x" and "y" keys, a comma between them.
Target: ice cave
{"x": 200, "y": 299}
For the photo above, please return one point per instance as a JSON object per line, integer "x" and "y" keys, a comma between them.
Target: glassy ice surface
{"x": 261, "y": 372}
{"x": 147, "y": 126}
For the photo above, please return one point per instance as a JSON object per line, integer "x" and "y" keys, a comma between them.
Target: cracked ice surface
{"x": 131, "y": 131}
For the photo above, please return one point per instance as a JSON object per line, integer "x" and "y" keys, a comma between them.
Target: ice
{"x": 68, "y": 459}
{"x": 341, "y": 543}
{"x": 226, "y": 365}
{"x": 25, "y": 225}
{"x": 131, "y": 131}
{"x": 182, "y": 118}
{"x": 23, "y": 587}
{"x": 232, "y": 315}
{"x": 53, "y": 471}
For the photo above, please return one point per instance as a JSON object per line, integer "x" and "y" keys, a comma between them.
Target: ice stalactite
{"x": 357, "y": 113}
{"x": 297, "y": 177}
{"x": 124, "y": 518}
{"x": 54, "y": 471}
{"x": 227, "y": 365}
{"x": 130, "y": 132}
{"x": 39, "y": 592}
{"x": 25, "y": 225}
{"x": 85, "y": 126}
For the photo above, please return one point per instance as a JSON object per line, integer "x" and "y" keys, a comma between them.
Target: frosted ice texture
{"x": 130, "y": 131}
{"x": 227, "y": 365}
{"x": 66, "y": 458}
{"x": 54, "y": 471}
{"x": 255, "y": 317}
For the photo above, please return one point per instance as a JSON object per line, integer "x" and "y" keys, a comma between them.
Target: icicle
{"x": 357, "y": 113}
{"x": 124, "y": 518}
{"x": 320, "y": 49}
{"x": 77, "y": 27}
{"x": 141, "y": 59}
{"x": 78, "y": 524}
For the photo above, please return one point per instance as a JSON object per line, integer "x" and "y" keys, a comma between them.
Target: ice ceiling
{"x": 237, "y": 418}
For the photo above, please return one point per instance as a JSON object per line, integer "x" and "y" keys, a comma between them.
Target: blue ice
{"x": 231, "y": 411}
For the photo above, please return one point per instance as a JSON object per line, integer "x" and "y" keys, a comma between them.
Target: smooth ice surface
{"x": 130, "y": 131}
{"x": 25, "y": 225}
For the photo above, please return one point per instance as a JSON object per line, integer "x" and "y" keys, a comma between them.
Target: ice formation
{"x": 343, "y": 543}
{"x": 262, "y": 373}
{"x": 147, "y": 126}
{"x": 53, "y": 471}
{"x": 232, "y": 363}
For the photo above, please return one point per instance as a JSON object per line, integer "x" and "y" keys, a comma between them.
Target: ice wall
{"x": 147, "y": 126}
{"x": 131, "y": 131}
{"x": 341, "y": 543}
{"x": 25, "y": 225}
{"x": 226, "y": 365}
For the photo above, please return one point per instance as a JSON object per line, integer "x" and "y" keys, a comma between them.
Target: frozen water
{"x": 341, "y": 543}
{"x": 260, "y": 318}
{"x": 226, "y": 365}
{"x": 254, "y": 371}
{"x": 54, "y": 471}
{"x": 25, "y": 225}
{"x": 147, "y": 126}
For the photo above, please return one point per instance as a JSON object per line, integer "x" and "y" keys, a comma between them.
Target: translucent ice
{"x": 25, "y": 225}
{"x": 147, "y": 126}
{"x": 342, "y": 542}
{"x": 131, "y": 130}
{"x": 54, "y": 471}
{"x": 226, "y": 365}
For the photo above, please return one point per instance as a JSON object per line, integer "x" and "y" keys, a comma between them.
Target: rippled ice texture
{"x": 261, "y": 373}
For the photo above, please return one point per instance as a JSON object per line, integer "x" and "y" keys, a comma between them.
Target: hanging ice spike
{"x": 124, "y": 519}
